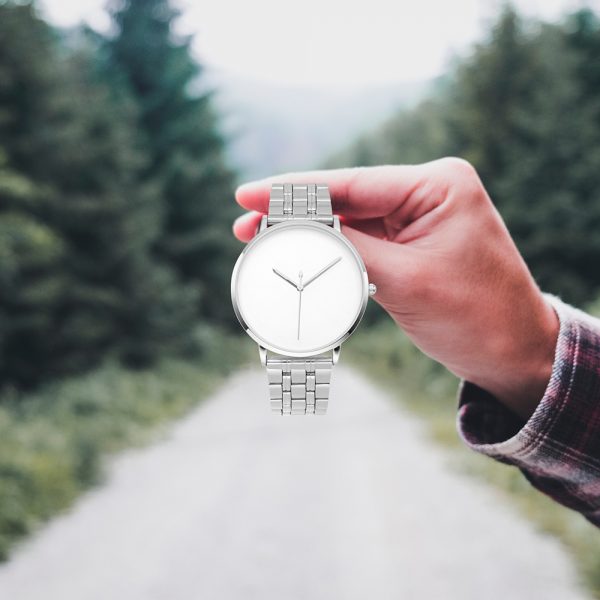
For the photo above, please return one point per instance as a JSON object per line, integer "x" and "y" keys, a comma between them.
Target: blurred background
{"x": 124, "y": 129}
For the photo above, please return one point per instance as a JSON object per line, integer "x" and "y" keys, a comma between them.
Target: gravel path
{"x": 239, "y": 504}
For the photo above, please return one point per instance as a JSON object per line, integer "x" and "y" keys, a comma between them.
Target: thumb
{"x": 389, "y": 265}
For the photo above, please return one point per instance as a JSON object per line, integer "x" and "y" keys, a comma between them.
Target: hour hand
{"x": 285, "y": 278}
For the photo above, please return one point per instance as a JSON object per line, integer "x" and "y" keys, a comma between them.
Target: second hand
{"x": 300, "y": 288}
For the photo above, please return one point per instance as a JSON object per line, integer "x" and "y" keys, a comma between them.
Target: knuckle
{"x": 463, "y": 176}
{"x": 353, "y": 181}
{"x": 459, "y": 167}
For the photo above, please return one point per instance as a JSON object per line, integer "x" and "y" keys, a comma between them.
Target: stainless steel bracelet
{"x": 299, "y": 386}
{"x": 299, "y": 201}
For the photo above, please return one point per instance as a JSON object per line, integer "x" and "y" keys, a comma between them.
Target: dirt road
{"x": 237, "y": 504}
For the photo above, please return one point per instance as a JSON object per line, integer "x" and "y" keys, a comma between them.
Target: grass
{"x": 53, "y": 442}
{"x": 428, "y": 390}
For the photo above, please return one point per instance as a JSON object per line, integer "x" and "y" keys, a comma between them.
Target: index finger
{"x": 359, "y": 193}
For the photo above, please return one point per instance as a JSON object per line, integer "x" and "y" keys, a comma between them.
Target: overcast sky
{"x": 327, "y": 41}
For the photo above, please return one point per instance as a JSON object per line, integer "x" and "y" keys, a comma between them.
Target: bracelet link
{"x": 299, "y": 385}
{"x": 299, "y": 201}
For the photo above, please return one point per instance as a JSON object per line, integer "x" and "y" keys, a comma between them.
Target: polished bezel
{"x": 300, "y": 224}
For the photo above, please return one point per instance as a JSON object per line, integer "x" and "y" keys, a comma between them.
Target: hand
{"x": 285, "y": 278}
{"x": 446, "y": 270}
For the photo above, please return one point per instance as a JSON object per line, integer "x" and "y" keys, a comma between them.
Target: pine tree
{"x": 31, "y": 282}
{"x": 489, "y": 98}
{"x": 187, "y": 150}
{"x": 518, "y": 113}
{"x": 64, "y": 134}
{"x": 583, "y": 35}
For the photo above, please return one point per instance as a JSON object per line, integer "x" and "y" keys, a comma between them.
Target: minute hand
{"x": 335, "y": 261}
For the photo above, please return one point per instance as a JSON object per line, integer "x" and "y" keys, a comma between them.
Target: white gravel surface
{"x": 239, "y": 504}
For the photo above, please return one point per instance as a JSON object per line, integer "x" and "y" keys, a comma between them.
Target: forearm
{"x": 558, "y": 446}
{"x": 519, "y": 368}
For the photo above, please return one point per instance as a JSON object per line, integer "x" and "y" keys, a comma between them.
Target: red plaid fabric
{"x": 558, "y": 448}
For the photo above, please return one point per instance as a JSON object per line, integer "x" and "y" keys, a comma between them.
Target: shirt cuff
{"x": 558, "y": 447}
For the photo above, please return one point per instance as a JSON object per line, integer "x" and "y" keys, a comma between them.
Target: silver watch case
{"x": 331, "y": 231}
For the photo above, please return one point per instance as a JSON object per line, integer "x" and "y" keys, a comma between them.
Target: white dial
{"x": 299, "y": 288}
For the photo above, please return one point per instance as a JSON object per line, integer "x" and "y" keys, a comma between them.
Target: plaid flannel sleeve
{"x": 558, "y": 448}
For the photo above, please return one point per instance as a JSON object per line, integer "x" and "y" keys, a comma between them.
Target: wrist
{"x": 525, "y": 360}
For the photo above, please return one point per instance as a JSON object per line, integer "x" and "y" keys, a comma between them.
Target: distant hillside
{"x": 276, "y": 128}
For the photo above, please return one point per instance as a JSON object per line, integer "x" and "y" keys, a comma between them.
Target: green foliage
{"x": 115, "y": 203}
{"x": 105, "y": 192}
{"x": 31, "y": 281}
{"x": 527, "y": 124}
{"x": 186, "y": 149}
{"x": 523, "y": 108}
{"x": 53, "y": 441}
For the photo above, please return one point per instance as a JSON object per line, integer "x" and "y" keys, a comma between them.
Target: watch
{"x": 299, "y": 289}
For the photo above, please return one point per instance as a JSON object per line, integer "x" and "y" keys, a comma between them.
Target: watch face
{"x": 299, "y": 288}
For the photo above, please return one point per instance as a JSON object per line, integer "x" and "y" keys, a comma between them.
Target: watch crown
{"x": 372, "y": 289}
